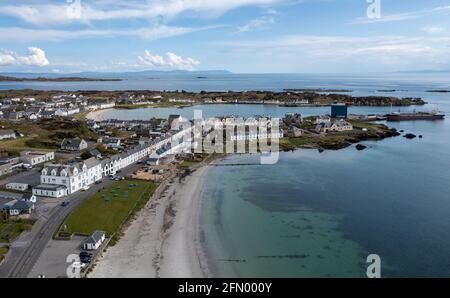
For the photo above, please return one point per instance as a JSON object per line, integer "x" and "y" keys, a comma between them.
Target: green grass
{"x": 3, "y": 252}
{"x": 98, "y": 214}
{"x": 186, "y": 164}
{"x": 45, "y": 134}
{"x": 368, "y": 125}
{"x": 326, "y": 142}
{"x": 81, "y": 116}
{"x": 12, "y": 229}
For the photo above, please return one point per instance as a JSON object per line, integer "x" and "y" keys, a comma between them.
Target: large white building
{"x": 61, "y": 180}
{"x": 67, "y": 112}
{"x": 71, "y": 177}
{"x": 36, "y": 157}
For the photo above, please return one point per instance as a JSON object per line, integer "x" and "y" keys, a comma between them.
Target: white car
{"x": 78, "y": 265}
{"x": 85, "y": 188}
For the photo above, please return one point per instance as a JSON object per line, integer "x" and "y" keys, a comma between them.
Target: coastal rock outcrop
{"x": 360, "y": 147}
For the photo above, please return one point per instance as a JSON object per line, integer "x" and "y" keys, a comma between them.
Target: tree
{"x": 86, "y": 154}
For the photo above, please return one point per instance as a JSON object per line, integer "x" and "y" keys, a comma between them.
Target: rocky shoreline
{"x": 337, "y": 141}
{"x": 209, "y": 97}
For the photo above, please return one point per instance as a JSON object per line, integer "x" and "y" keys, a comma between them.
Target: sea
{"x": 318, "y": 214}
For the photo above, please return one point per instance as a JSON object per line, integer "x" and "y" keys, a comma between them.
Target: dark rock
{"x": 409, "y": 136}
{"x": 321, "y": 150}
{"x": 420, "y": 136}
{"x": 360, "y": 147}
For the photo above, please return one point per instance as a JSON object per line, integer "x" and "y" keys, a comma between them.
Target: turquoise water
{"x": 244, "y": 82}
{"x": 320, "y": 214}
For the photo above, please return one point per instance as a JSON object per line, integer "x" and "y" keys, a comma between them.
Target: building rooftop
{"x": 52, "y": 187}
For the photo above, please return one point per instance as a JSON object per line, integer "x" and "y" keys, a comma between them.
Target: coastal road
{"x": 21, "y": 259}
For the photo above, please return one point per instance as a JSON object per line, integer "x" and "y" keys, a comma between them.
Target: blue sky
{"x": 245, "y": 36}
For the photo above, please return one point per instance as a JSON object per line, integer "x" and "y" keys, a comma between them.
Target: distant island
{"x": 439, "y": 91}
{"x": 317, "y": 90}
{"x": 141, "y": 98}
{"x": 59, "y": 79}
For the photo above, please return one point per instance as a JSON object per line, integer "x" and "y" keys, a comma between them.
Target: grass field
{"x": 45, "y": 134}
{"x": 3, "y": 252}
{"x": 12, "y": 229}
{"x": 186, "y": 164}
{"x": 108, "y": 209}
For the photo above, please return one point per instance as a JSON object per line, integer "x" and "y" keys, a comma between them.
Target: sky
{"x": 241, "y": 36}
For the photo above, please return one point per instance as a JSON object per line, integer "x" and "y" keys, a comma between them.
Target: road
{"x": 21, "y": 259}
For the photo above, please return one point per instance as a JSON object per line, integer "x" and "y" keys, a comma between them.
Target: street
{"x": 24, "y": 254}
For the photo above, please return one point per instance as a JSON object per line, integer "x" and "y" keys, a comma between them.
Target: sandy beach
{"x": 98, "y": 114}
{"x": 163, "y": 240}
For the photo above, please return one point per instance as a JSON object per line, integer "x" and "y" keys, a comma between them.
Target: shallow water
{"x": 314, "y": 214}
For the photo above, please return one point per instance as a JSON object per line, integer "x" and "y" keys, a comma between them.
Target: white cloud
{"x": 379, "y": 50}
{"x": 52, "y": 14}
{"x": 150, "y": 33}
{"x": 170, "y": 60}
{"x": 35, "y": 57}
{"x": 434, "y": 29}
{"x": 257, "y": 24}
{"x": 404, "y": 16}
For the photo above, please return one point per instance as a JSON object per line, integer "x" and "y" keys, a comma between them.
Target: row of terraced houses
{"x": 61, "y": 180}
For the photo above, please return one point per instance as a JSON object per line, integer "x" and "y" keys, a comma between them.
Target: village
{"x": 55, "y": 161}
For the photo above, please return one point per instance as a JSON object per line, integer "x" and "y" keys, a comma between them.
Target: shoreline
{"x": 96, "y": 115}
{"x": 164, "y": 238}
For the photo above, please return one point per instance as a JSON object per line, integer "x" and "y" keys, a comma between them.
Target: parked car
{"x": 85, "y": 188}
{"x": 98, "y": 181}
{"x": 85, "y": 254}
{"x": 65, "y": 203}
{"x": 78, "y": 265}
{"x": 85, "y": 257}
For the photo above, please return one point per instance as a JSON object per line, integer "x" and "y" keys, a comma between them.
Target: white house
{"x": 107, "y": 105}
{"x": 29, "y": 197}
{"x": 67, "y": 112}
{"x": 61, "y": 180}
{"x": 18, "y": 207}
{"x": 94, "y": 241}
{"x": 71, "y": 177}
{"x": 7, "y": 134}
{"x": 17, "y": 186}
{"x": 334, "y": 126}
{"x": 113, "y": 143}
{"x": 36, "y": 157}
{"x": 153, "y": 159}
{"x": 75, "y": 144}
{"x": 50, "y": 190}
